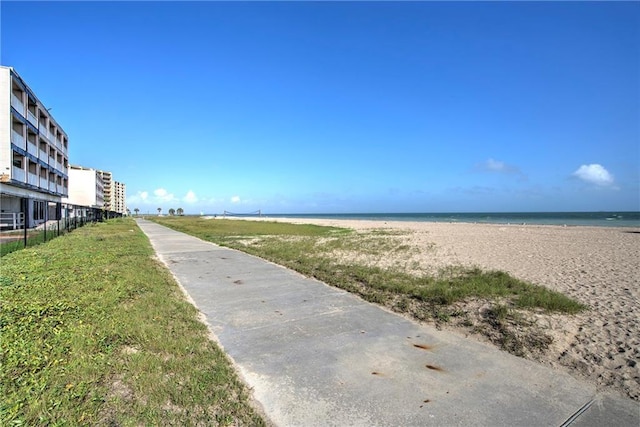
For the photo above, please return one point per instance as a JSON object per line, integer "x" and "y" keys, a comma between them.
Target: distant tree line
{"x": 172, "y": 212}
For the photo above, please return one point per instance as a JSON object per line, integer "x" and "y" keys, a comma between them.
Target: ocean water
{"x": 593, "y": 219}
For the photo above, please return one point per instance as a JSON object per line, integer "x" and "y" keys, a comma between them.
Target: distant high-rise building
{"x": 33, "y": 156}
{"x": 114, "y": 194}
{"x": 119, "y": 197}
{"x": 107, "y": 180}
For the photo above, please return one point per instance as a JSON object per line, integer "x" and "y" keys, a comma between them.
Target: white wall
{"x": 5, "y": 121}
{"x": 82, "y": 187}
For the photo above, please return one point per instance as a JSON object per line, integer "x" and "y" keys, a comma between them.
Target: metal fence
{"x": 56, "y": 219}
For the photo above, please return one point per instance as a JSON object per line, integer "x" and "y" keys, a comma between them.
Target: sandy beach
{"x": 598, "y": 266}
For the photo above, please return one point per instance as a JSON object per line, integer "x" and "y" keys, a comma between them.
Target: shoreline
{"x": 598, "y": 266}
{"x": 394, "y": 223}
{"x": 629, "y": 219}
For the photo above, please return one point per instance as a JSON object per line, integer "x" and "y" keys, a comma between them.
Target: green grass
{"x": 221, "y": 229}
{"x": 14, "y": 240}
{"x": 34, "y": 237}
{"x": 311, "y": 250}
{"x": 94, "y": 331}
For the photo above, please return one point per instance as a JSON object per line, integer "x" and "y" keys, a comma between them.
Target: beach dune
{"x": 598, "y": 266}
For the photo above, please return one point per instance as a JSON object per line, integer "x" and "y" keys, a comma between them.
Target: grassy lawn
{"x": 94, "y": 331}
{"x": 311, "y": 250}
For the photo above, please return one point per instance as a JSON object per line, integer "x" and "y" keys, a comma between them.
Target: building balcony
{"x": 42, "y": 155}
{"x": 17, "y": 104}
{"x": 44, "y": 132}
{"x": 44, "y": 183}
{"x": 53, "y": 187}
{"x": 32, "y": 179}
{"x": 18, "y": 139}
{"x": 32, "y": 118}
{"x": 59, "y": 167}
{"x": 18, "y": 174}
{"x": 32, "y": 148}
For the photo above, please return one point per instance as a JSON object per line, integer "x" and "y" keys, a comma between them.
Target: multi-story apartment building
{"x": 119, "y": 197}
{"x": 114, "y": 194}
{"x": 107, "y": 179}
{"x": 85, "y": 187}
{"x": 33, "y": 155}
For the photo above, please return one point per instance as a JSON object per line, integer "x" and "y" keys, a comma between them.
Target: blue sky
{"x": 334, "y": 107}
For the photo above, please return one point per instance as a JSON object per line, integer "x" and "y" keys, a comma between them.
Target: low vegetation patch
{"x": 342, "y": 258}
{"x": 94, "y": 331}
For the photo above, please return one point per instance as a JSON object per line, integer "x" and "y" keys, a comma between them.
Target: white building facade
{"x": 34, "y": 159}
{"x": 85, "y": 187}
{"x": 120, "y": 197}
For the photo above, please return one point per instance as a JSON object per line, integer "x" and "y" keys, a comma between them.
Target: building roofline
{"x": 31, "y": 92}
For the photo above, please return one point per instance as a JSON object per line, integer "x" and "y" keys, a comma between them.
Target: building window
{"x": 18, "y": 160}
{"x": 32, "y": 109}
{"x": 31, "y": 136}
{"x": 38, "y": 210}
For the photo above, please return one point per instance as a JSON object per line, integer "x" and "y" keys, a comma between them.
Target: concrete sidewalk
{"x": 318, "y": 356}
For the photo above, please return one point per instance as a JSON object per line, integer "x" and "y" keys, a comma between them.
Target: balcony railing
{"x": 42, "y": 155}
{"x": 17, "y": 139}
{"x": 32, "y": 118}
{"x": 44, "y": 183}
{"x": 12, "y": 220}
{"x": 33, "y": 179}
{"x": 53, "y": 187}
{"x": 18, "y": 174}
{"x": 32, "y": 148}
{"x": 44, "y": 131}
{"x": 17, "y": 104}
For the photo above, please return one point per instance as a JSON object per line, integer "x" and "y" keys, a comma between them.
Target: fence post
{"x": 25, "y": 210}
{"x": 58, "y": 215}
{"x": 46, "y": 219}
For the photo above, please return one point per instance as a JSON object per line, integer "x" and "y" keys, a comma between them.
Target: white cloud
{"x": 190, "y": 197}
{"x": 594, "y": 174}
{"x": 139, "y": 197}
{"x": 497, "y": 166}
{"x": 160, "y": 195}
{"x": 235, "y": 199}
{"x": 163, "y": 195}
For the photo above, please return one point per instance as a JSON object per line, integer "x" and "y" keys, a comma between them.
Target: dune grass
{"x": 309, "y": 250}
{"x": 95, "y": 331}
{"x": 316, "y": 251}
